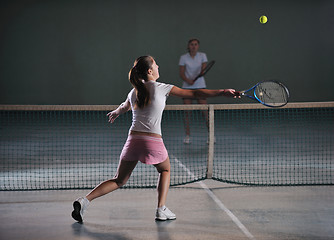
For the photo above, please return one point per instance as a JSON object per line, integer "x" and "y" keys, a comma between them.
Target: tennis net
{"x": 74, "y": 147}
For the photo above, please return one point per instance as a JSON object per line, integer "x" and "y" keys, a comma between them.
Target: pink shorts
{"x": 147, "y": 149}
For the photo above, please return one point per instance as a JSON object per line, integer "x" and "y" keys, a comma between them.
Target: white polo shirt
{"x": 193, "y": 67}
{"x": 148, "y": 119}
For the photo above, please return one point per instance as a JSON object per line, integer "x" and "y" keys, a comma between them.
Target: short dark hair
{"x": 193, "y": 39}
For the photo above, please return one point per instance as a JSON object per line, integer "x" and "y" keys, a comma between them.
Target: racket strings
{"x": 272, "y": 93}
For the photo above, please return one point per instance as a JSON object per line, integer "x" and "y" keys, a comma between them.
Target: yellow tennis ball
{"x": 263, "y": 19}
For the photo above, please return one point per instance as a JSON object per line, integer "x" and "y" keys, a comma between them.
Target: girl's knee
{"x": 167, "y": 170}
{"x": 120, "y": 182}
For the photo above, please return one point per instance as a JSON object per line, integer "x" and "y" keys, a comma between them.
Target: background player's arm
{"x": 183, "y": 76}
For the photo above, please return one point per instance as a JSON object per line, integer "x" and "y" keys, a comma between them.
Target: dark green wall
{"x": 80, "y": 52}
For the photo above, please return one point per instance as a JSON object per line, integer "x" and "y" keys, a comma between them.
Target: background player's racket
{"x": 269, "y": 93}
{"x": 205, "y": 70}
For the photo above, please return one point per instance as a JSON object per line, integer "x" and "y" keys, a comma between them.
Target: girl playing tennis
{"x": 144, "y": 143}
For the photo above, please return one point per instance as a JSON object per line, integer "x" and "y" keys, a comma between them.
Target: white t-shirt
{"x": 148, "y": 119}
{"x": 193, "y": 67}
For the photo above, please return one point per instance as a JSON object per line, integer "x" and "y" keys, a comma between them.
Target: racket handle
{"x": 197, "y": 77}
{"x": 240, "y": 93}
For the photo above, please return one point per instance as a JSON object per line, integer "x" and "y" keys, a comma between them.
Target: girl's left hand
{"x": 112, "y": 116}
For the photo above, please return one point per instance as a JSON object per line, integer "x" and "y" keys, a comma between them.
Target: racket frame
{"x": 255, "y": 97}
{"x": 206, "y": 69}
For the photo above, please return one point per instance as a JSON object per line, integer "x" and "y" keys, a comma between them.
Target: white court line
{"x": 218, "y": 202}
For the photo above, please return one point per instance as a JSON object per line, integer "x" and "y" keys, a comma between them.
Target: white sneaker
{"x": 186, "y": 140}
{"x": 80, "y": 206}
{"x": 164, "y": 213}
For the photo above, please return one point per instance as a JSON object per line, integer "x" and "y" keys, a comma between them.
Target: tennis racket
{"x": 269, "y": 93}
{"x": 205, "y": 70}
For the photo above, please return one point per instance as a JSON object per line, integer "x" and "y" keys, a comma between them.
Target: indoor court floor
{"x": 205, "y": 210}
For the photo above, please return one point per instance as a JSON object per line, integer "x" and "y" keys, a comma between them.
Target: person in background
{"x": 191, "y": 64}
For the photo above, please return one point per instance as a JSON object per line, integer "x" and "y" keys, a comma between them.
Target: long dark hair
{"x": 137, "y": 74}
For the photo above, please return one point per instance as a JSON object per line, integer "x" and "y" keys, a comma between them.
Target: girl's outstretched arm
{"x": 123, "y": 108}
{"x": 203, "y": 93}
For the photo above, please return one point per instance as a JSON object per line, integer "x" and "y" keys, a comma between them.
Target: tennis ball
{"x": 263, "y": 19}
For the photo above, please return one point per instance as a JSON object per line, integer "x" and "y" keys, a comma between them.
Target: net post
{"x": 211, "y": 141}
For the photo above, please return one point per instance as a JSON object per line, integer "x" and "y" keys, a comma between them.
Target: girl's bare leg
{"x": 124, "y": 171}
{"x": 163, "y": 181}
{"x": 205, "y": 113}
{"x": 187, "y": 116}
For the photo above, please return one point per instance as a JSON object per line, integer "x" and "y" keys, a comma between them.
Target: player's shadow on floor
{"x": 80, "y": 230}
{"x": 163, "y": 228}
